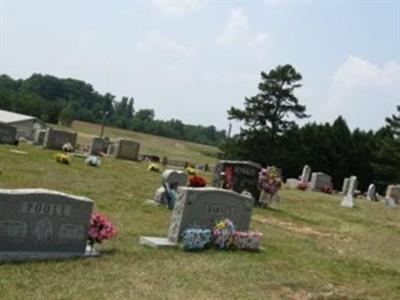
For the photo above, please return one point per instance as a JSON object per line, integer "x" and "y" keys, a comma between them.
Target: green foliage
{"x": 56, "y": 100}
{"x": 374, "y": 157}
{"x": 394, "y": 123}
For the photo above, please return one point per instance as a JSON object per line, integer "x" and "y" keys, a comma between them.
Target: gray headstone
{"x": 345, "y": 186}
{"x": 8, "y": 134}
{"x": 392, "y": 195}
{"x": 320, "y": 180}
{"x": 305, "y": 175}
{"x": 125, "y": 149}
{"x": 238, "y": 176}
{"x": 371, "y": 192}
{"x": 174, "y": 177}
{"x": 56, "y": 139}
{"x": 42, "y": 224}
{"x": 201, "y": 207}
{"x": 348, "y": 200}
{"x": 39, "y": 137}
{"x": 98, "y": 146}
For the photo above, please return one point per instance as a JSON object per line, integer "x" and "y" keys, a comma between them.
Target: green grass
{"x": 313, "y": 247}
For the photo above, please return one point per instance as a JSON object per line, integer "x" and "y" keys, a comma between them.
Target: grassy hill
{"x": 314, "y": 249}
{"x": 150, "y": 144}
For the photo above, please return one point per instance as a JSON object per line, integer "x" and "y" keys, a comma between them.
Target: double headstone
{"x": 124, "y": 149}
{"x": 201, "y": 208}
{"x": 8, "y": 134}
{"x": 238, "y": 176}
{"x": 56, "y": 139}
{"x": 392, "y": 197}
{"x": 305, "y": 175}
{"x": 348, "y": 200}
{"x": 319, "y": 181}
{"x": 42, "y": 224}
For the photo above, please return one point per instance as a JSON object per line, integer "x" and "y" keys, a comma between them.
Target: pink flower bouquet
{"x": 100, "y": 229}
{"x": 247, "y": 240}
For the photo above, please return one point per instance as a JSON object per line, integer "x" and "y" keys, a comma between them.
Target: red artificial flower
{"x": 197, "y": 181}
{"x": 302, "y": 186}
{"x": 101, "y": 228}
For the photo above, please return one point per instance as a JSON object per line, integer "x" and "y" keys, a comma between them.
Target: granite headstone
{"x": 42, "y": 224}
{"x": 8, "y": 134}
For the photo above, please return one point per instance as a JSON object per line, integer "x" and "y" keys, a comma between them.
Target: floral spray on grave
{"x": 270, "y": 183}
{"x": 100, "y": 229}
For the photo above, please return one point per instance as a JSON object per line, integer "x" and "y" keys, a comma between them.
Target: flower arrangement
{"x": 222, "y": 233}
{"x": 63, "y": 158}
{"x": 100, "y": 229}
{"x": 196, "y": 239}
{"x": 246, "y": 240}
{"x": 197, "y": 181}
{"x": 269, "y": 180}
{"x": 191, "y": 171}
{"x": 302, "y": 185}
{"x": 93, "y": 161}
{"x": 153, "y": 167}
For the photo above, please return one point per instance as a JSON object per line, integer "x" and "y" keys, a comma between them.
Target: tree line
{"x": 271, "y": 136}
{"x": 55, "y": 100}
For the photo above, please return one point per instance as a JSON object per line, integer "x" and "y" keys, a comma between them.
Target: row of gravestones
{"x": 56, "y": 139}
{"x": 41, "y": 224}
{"x": 320, "y": 180}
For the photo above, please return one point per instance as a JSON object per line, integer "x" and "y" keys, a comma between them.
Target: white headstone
{"x": 392, "y": 197}
{"x": 348, "y": 200}
{"x": 345, "y": 185}
{"x": 371, "y": 192}
{"x": 319, "y": 181}
{"x": 305, "y": 175}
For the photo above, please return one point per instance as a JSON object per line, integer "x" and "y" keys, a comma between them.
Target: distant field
{"x": 314, "y": 249}
{"x": 150, "y": 144}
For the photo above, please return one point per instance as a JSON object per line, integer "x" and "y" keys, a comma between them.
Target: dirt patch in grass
{"x": 299, "y": 228}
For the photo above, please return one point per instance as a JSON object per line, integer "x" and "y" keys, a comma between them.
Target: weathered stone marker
{"x": 39, "y": 137}
{"x": 348, "y": 200}
{"x": 98, "y": 146}
{"x": 56, "y": 139}
{"x": 319, "y": 181}
{"x": 392, "y": 197}
{"x": 124, "y": 149}
{"x": 371, "y": 193}
{"x": 42, "y": 224}
{"x": 170, "y": 180}
{"x": 238, "y": 176}
{"x": 345, "y": 186}
{"x": 200, "y": 208}
{"x": 8, "y": 134}
{"x": 305, "y": 175}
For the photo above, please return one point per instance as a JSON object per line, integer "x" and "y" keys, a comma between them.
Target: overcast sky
{"x": 192, "y": 60}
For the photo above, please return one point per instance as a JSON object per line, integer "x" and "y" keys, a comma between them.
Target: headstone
{"x": 319, "y": 181}
{"x": 8, "y": 134}
{"x": 305, "y": 175}
{"x": 201, "y": 207}
{"x": 292, "y": 183}
{"x": 125, "y": 149}
{"x": 174, "y": 178}
{"x": 345, "y": 186}
{"x": 392, "y": 197}
{"x": 371, "y": 193}
{"x": 56, "y": 139}
{"x": 348, "y": 200}
{"x": 42, "y": 224}
{"x": 39, "y": 137}
{"x": 99, "y": 145}
{"x": 238, "y": 176}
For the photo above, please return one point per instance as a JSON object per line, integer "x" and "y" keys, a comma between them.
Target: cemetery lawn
{"x": 313, "y": 248}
